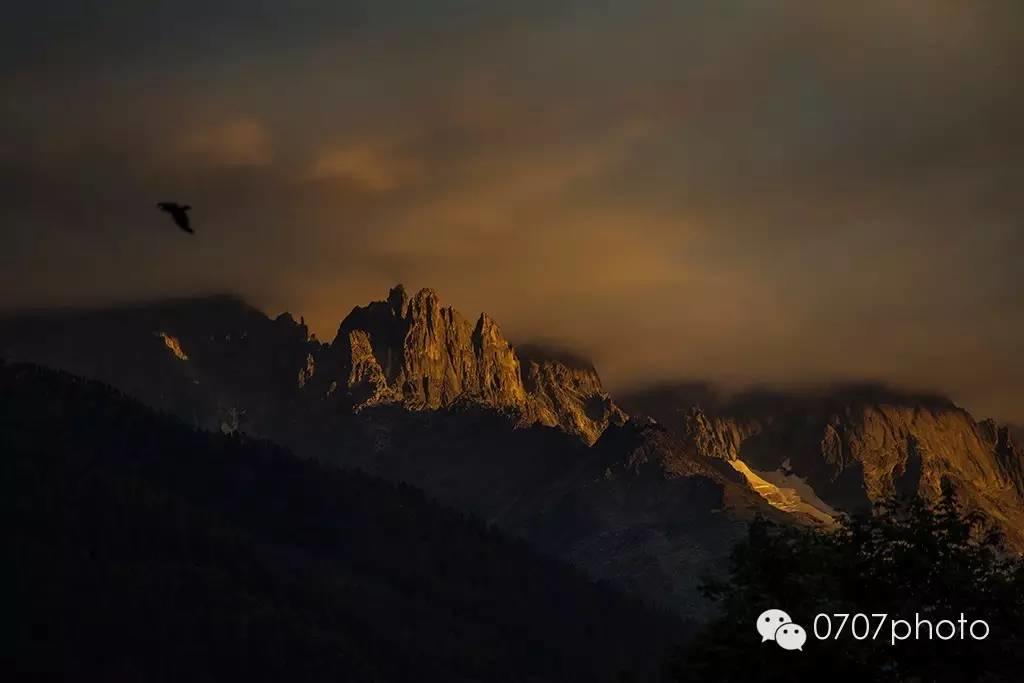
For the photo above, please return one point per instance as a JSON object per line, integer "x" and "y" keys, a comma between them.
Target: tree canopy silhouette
{"x": 908, "y": 558}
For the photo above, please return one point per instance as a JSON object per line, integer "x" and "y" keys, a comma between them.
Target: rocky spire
{"x": 497, "y": 365}
{"x": 398, "y": 300}
{"x": 423, "y": 355}
{"x": 427, "y": 355}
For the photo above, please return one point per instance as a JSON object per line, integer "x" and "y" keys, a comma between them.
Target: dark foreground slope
{"x": 139, "y": 548}
{"x": 410, "y": 391}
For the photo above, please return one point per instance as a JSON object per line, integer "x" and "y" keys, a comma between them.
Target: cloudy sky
{"x": 744, "y": 191}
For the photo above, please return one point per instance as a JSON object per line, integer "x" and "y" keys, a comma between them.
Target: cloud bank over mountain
{"x": 738, "y": 192}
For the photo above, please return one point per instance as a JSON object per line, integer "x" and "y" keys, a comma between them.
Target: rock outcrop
{"x": 1008, "y": 449}
{"x": 422, "y": 355}
{"x": 853, "y": 446}
{"x": 565, "y": 390}
{"x": 212, "y": 358}
{"x": 415, "y": 352}
{"x": 412, "y": 391}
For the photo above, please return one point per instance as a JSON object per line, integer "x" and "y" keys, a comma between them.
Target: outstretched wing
{"x": 181, "y": 219}
{"x": 179, "y": 214}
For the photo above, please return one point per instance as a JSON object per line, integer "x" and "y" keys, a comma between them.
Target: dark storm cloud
{"x": 747, "y": 191}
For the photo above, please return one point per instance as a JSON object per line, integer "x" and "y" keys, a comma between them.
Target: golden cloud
{"x": 368, "y": 166}
{"x": 240, "y": 142}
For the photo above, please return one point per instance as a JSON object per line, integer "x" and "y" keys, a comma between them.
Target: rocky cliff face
{"x": 1005, "y": 442}
{"x": 565, "y": 390}
{"x": 218, "y": 361}
{"x": 415, "y": 352}
{"x": 852, "y": 446}
{"x": 422, "y": 355}
{"x": 412, "y": 391}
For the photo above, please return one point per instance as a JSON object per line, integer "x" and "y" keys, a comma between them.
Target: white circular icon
{"x": 791, "y": 637}
{"x": 769, "y": 622}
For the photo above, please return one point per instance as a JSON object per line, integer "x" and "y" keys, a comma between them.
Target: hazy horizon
{"x": 736, "y": 192}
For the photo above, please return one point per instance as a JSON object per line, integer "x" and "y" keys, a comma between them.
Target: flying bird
{"x": 179, "y": 214}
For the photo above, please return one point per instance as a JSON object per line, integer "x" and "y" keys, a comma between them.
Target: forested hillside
{"x": 140, "y": 548}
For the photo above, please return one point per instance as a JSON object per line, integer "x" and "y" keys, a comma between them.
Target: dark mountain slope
{"x": 139, "y": 548}
{"x": 214, "y": 361}
{"x": 632, "y": 509}
{"x": 409, "y": 390}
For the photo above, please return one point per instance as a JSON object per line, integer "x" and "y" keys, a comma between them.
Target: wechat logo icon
{"x": 774, "y": 624}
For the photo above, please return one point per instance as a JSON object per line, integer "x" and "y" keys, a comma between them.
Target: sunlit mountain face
{"x": 648, "y": 490}
{"x": 713, "y": 309}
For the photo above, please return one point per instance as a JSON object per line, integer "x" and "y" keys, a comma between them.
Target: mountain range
{"x": 143, "y": 549}
{"x": 648, "y": 491}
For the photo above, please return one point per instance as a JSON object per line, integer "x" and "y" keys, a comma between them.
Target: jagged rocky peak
{"x": 712, "y": 436}
{"x": 398, "y": 301}
{"x": 423, "y": 355}
{"x": 498, "y": 365}
{"x": 1004, "y": 438}
{"x": 416, "y": 352}
{"x": 565, "y": 390}
{"x": 287, "y": 326}
{"x": 852, "y": 445}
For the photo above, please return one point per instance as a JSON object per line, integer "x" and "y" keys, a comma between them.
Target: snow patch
{"x": 796, "y": 498}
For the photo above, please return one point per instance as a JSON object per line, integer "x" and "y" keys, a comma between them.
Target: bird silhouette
{"x": 179, "y": 213}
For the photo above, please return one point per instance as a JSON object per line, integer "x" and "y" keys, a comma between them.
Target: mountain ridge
{"x": 527, "y": 437}
{"x": 854, "y": 445}
{"x": 414, "y": 351}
